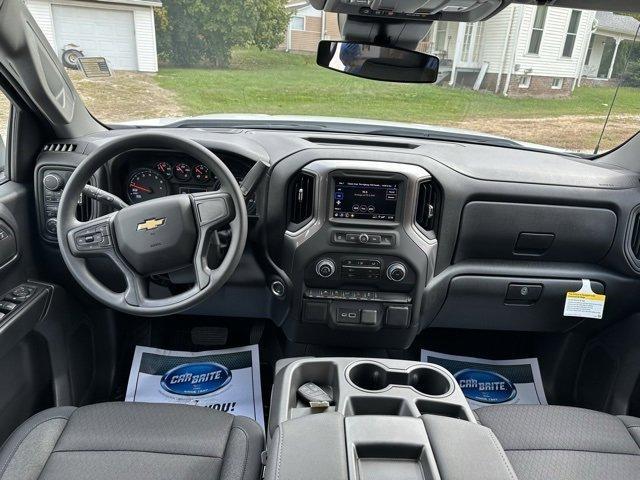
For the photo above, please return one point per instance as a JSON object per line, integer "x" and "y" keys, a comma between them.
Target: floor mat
{"x": 490, "y": 382}
{"x": 226, "y": 380}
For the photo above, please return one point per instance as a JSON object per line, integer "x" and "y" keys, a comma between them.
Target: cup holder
{"x": 429, "y": 381}
{"x": 369, "y": 376}
{"x": 375, "y": 377}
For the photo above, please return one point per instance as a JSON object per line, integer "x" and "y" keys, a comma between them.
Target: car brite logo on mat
{"x": 484, "y": 386}
{"x": 196, "y": 379}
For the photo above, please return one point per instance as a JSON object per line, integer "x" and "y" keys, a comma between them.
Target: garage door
{"x": 99, "y": 32}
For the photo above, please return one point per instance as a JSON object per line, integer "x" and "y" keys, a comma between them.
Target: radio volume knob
{"x": 325, "y": 268}
{"x": 363, "y": 238}
{"x": 396, "y": 272}
{"x": 53, "y": 182}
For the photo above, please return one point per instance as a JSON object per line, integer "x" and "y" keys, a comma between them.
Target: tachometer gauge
{"x": 182, "y": 171}
{"x": 146, "y": 184}
{"x": 202, "y": 173}
{"x": 165, "y": 169}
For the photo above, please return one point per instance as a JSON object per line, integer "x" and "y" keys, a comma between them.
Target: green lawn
{"x": 281, "y": 83}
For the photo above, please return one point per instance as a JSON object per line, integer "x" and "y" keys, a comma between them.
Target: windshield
{"x": 554, "y": 77}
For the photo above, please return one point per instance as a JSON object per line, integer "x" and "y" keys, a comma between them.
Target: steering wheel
{"x": 157, "y": 236}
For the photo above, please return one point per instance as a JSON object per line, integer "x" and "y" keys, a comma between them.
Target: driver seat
{"x": 127, "y": 441}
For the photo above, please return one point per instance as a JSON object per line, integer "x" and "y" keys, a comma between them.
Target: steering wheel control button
{"x": 325, "y": 268}
{"x": 93, "y": 238}
{"x": 396, "y": 272}
{"x": 53, "y": 182}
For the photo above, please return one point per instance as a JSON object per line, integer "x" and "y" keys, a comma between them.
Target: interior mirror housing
{"x": 389, "y": 64}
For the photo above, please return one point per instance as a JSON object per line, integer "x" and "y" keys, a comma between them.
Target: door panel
{"x": 24, "y": 360}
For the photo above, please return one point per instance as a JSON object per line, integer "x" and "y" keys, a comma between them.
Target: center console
{"x": 359, "y": 261}
{"x": 387, "y": 419}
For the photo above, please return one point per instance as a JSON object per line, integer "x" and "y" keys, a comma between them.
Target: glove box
{"x": 509, "y": 303}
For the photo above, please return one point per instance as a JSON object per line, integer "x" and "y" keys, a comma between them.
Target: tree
{"x": 194, "y": 33}
{"x": 273, "y": 19}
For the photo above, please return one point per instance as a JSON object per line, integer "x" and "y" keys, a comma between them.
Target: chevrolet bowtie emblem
{"x": 151, "y": 224}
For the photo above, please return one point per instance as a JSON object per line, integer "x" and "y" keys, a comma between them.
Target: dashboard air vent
{"x": 301, "y": 198}
{"x": 429, "y": 205}
{"x": 635, "y": 235}
{"x": 60, "y": 147}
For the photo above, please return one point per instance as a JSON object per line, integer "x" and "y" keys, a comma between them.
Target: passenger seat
{"x": 566, "y": 443}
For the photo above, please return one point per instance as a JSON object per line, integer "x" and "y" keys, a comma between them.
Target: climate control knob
{"x": 53, "y": 182}
{"x": 325, "y": 268}
{"x": 396, "y": 272}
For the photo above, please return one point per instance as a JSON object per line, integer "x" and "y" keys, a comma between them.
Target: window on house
{"x": 297, "y": 22}
{"x": 441, "y": 36}
{"x": 466, "y": 44}
{"x": 5, "y": 115}
{"x": 538, "y": 29}
{"x": 557, "y": 83}
{"x": 587, "y": 59}
{"x": 525, "y": 81}
{"x": 572, "y": 33}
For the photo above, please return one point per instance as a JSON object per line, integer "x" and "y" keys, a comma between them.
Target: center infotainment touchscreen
{"x": 365, "y": 199}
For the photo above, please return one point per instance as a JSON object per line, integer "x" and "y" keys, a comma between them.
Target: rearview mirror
{"x": 390, "y": 64}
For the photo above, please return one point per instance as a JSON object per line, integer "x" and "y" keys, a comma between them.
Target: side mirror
{"x": 389, "y": 64}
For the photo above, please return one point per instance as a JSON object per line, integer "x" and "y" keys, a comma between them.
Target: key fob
{"x": 315, "y": 396}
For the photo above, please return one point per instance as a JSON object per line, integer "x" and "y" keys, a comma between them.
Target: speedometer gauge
{"x": 146, "y": 184}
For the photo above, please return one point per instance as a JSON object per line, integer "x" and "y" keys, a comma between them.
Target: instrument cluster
{"x": 145, "y": 175}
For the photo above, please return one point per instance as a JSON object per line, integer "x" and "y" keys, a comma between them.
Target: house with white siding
{"x": 122, "y": 31}
{"x": 530, "y": 50}
{"x": 524, "y": 50}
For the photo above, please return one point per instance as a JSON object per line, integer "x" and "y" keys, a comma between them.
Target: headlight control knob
{"x": 53, "y": 182}
{"x": 396, "y": 272}
{"x": 325, "y": 267}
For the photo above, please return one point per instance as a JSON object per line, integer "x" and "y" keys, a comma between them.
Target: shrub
{"x": 201, "y": 33}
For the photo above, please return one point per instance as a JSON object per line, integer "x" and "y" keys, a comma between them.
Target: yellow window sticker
{"x": 584, "y": 303}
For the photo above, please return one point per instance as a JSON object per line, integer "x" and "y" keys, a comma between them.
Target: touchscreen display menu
{"x": 365, "y": 199}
